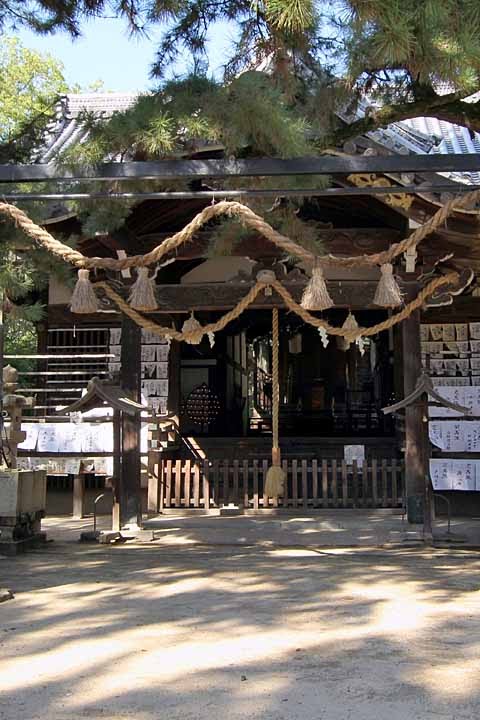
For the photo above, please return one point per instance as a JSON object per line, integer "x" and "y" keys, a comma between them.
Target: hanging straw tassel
{"x": 316, "y": 295}
{"x": 275, "y": 480}
{"x": 142, "y": 293}
{"x": 84, "y": 301}
{"x": 387, "y": 293}
{"x": 192, "y": 326}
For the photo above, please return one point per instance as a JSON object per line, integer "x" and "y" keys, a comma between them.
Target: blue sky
{"x": 106, "y": 52}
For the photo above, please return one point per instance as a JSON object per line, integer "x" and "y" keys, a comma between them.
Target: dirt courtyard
{"x": 154, "y": 631}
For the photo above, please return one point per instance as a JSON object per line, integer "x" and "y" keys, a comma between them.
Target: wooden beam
{"x": 172, "y": 169}
{"x": 416, "y": 431}
{"x": 355, "y": 294}
{"x": 173, "y": 299}
{"x": 130, "y": 375}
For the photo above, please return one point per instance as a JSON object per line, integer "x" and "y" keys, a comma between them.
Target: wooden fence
{"x": 310, "y": 484}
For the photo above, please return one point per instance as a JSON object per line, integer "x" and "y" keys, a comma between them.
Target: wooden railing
{"x": 310, "y": 484}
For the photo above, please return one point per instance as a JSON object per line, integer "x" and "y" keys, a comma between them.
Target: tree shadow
{"x": 150, "y": 631}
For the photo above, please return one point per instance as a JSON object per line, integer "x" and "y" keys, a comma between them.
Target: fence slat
{"x": 324, "y": 484}
{"x": 394, "y": 483}
{"x": 168, "y": 485}
{"x": 188, "y": 477}
{"x": 344, "y": 484}
{"x": 178, "y": 483}
{"x": 226, "y": 482}
{"x": 304, "y": 484}
{"x": 161, "y": 480}
{"x": 264, "y": 479}
{"x": 374, "y": 501}
{"x": 206, "y": 485}
{"x": 315, "y": 483}
{"x": 365, "y": 483}
{"x": 236, "y": 495}
{"x": 334, "y": 484}
{"x": 216, "y": 483}
{"x": 294, "y": 483}
{"x": 196, "y": 485}
{"x": 255, "y": 485}
{"x": 285, "y": 486}
{"x": 385, "y": 500}
{"x": 355, "y": 483}
{"x": 245, "y": 483}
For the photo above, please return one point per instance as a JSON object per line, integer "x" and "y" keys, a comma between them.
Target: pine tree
{"x": 412, "y": 57}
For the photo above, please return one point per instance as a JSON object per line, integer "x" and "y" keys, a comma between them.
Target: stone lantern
{"x": 22, "y": 492}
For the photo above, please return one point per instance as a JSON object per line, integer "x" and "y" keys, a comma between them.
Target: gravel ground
{"x": 151, "y": 631}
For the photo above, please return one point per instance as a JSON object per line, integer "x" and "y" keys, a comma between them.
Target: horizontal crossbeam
{"x": 243, "y": 193}
{"x": 190, "y": 169}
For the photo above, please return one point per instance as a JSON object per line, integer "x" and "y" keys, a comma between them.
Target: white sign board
{"x": 354, "y": 452}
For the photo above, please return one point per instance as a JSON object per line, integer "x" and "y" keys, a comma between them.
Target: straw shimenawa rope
{"x": 275, "y": 377}
{"x": 350, "y": 335}
{"x": 245, "y": 216}
{"x": 193, "y": 336}
{"x": 275, "y": 477}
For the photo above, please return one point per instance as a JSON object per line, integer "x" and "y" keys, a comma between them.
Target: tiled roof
{"x": 450, "y": 139}
{"x": 417, "y": 136}
{"x": 430, "y": 136}
{"x": 424, "y": 136}
{"x": 67, "y": 127}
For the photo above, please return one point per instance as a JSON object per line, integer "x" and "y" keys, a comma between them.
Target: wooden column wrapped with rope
{"x": 275, "y": 480}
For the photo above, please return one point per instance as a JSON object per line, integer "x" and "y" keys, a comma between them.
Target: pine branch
{"x": 447, "y": 107}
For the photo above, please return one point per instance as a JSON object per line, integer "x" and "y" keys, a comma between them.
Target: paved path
{"x": 152, "y": 631}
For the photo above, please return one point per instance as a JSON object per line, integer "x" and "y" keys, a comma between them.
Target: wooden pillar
{"x": 153, "y": 485}
{"x": 174, "y": 362}
{"x": 416, "y": 430}
{"x": 129, "y": 494}
{"x": 117, "y": 468}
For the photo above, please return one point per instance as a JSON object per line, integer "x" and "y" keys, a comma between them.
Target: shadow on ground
{"x": 150, "y": 631}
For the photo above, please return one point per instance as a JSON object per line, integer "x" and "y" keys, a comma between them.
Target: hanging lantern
{"x": 316, "y": 295}
{"x": 84, "y": 301}
{"x": 295, "y": 344}
{"x": 193, "y": 327}
{"x": 388, "y": 293}
{"x": 142, "y": 293}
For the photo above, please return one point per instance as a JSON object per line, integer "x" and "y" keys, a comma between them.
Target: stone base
{"x": 90, "y": 536}
{"x": 109, "y": 536}
{"x": 230, "y": 511}
{"x": 15, "y": 547}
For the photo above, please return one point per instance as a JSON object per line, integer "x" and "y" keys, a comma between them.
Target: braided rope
{"x": 247, "y": 217}
{"x": 195, "y": 336}
{"x": 275, "y": 379}
{"x": 352, "y": 335}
